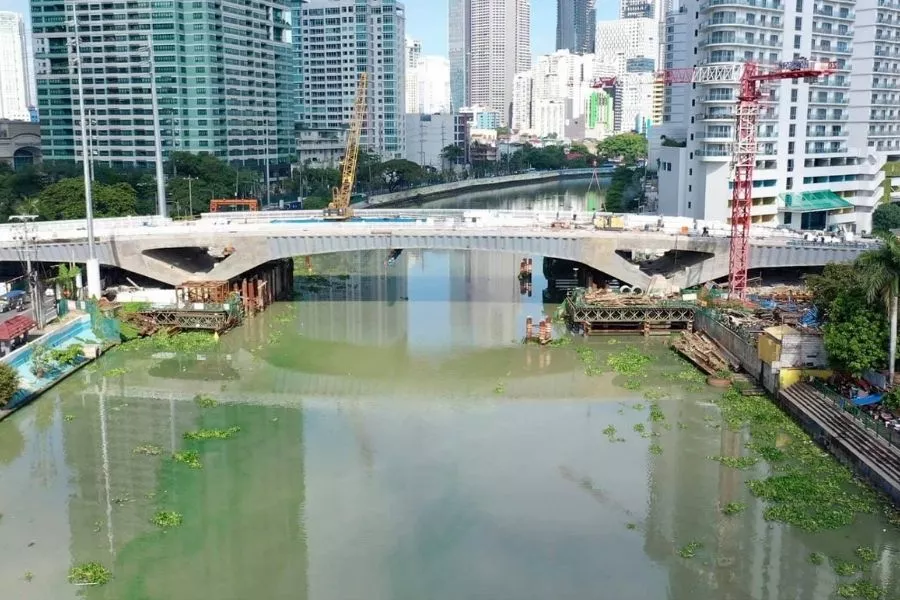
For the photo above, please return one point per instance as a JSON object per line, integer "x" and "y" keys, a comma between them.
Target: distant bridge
{"x": 222, "y": 246}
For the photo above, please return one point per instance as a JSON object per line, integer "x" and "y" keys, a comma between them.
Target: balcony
{"x": 826, "y": 134}
{"x": 811, "y": 116}
{"x": 772, "y": 5}
{"x": 717, "y": 116}
{"x": 847, "y": 15}
{"x": 718, "y": 98}
{"x": 713, "y": 155}
{"x": 755, "y": 24}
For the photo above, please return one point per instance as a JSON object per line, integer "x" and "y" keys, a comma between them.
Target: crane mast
{"x": 750, "y": 77}
{"x": 339, "y": 208}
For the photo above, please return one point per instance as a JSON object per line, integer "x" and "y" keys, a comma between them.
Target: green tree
{"x": 886, "y": 217}
{"x": 453, "y": 154}
{"x": 880, "y": 269}
{"x": 855, "y": 334}
{"x": 629, "y": 147}
{"x": 400, "y": 173}
{"x": 9, "y": 383}
{"x": 65, "y": 200}
{"x": 836, "y": 279}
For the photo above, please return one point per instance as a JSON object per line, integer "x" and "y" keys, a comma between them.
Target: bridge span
{"x": 224, "y": 246}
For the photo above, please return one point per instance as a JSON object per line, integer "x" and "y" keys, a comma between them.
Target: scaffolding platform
{"x": 648, "y": 317}
{"x": 217, "y": 318}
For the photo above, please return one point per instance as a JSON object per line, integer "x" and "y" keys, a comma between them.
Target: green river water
{"x": 397, "y": 442}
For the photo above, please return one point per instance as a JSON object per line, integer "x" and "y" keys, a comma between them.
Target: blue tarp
{"x": 866, "y": 400}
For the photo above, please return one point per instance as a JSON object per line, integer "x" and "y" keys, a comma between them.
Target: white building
{"x": 428, "y": 134}
{"x": 413, "y": 53}
{"x": 522, "y": 107}
{"x": 433, "y": 73}
{"x": 500, "y": 47}
{"x": 822, "y": 145}
{"x": 330, "y": 69}
{"x": 632, "y": 46}
{"x": 15, "y": 79}
{"x": 320, "y": 148}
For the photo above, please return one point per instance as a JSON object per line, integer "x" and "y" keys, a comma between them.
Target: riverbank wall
{"x": 847, "y": 439}
{"x": 443, "y": 190}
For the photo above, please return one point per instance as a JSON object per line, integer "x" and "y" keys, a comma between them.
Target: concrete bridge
{"x": 223, "y": 246}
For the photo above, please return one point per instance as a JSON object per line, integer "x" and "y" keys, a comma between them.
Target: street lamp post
{"x": 157, "y": 136}
{"x": 93, "y": 265}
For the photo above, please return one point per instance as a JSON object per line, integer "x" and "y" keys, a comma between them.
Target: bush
{"x": 9, "y": 383}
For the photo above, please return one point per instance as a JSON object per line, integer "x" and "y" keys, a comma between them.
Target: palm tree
{"x": 881, "y": 272}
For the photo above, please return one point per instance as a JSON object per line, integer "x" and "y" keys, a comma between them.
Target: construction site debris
{"x": 704, "y": 353}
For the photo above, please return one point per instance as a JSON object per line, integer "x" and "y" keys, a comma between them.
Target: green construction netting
{"x": 105, "y": 327}
{"x": 812, "y": 201}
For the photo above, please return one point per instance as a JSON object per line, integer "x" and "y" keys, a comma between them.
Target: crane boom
{"x": 749, "y": 76}
{"x": 339, "y": 209}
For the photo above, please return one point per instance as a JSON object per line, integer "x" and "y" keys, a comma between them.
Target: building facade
{"x": 15, "y": 78}
{"x": 412, "y": 54}
{"x": 459, "y": 49}
{"x": 500, "y": 47}
{"x": 20, "y": 143}
{"x": 222, "y": 72}
{"x": 823, "y": 145}
{"x": 331, "y": 66}
{"x": 576, "y": 26}
{"x": 631, "y": 46}
{"x": 320, "y": 148}
{"x": 434, "y": 85}
{"x": 428, "y": 134}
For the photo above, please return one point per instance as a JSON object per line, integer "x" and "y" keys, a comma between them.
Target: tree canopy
{"x": 629, "y": 147}
{"x": 65, "y": 200}
{"x": 886, "y": 217}
{"x": 855, "y": 335}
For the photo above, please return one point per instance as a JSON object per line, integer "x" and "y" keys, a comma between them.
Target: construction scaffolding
{"x": 609, "y": 314}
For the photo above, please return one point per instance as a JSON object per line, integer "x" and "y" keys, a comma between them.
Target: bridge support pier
{"x": 93, "y": 278}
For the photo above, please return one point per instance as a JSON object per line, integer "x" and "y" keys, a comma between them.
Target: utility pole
{"x": 92, "y": 265}
{"x": 157, "y": 135}
{"x": 190, "y": 196}
{"x": 31, "y": 279}
{"x": 268, "y": 185}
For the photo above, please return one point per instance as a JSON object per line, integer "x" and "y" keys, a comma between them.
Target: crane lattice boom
{"x": 750, "y": 76}
{"x": 340, "y": 202}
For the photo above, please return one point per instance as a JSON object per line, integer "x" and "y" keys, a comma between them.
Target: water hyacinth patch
{"x": 211, "y": 434}
{"x": 630, "y": 361}
{"x": 864, "y": 590}
{"x": 167, "y": 519}
{"x": 735, "y": 462}
{"x": 690, "y": 550}
{"x": 189, "y": 458}
{"x": 204, "y": 401}
{"x": 734, "y": 508}
{"x": 816, "y": 558}
{"x": 92, "y": 573}
{"x": 147, "y": 450}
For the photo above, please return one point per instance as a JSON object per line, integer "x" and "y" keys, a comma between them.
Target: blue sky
{"x": 426, "y": 20}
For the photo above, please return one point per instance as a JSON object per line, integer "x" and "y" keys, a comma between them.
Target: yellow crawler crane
{"x": 339, "y": 208}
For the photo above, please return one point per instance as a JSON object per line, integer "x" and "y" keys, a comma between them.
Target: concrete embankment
{"x": 434, "y": 192}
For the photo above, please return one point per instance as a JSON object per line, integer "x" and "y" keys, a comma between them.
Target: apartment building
{"x": 15, "y": 79}
{"x": 339, "y": 39}
{"x": 576, "y": 26}
{"x": 823, "y": 145}
{"x": 433, "y": 74}
{"x": 412, "y": 54}
{"x": 222, "y": 72}
{"x": 631, "y": 45}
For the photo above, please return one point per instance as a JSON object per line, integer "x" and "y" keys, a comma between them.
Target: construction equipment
{"x": 750, "y": 77}
{"x": 339, "y": 208}
{"x": 233, "y": 204}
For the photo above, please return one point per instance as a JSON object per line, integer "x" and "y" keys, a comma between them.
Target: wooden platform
{"x": 869, "y": 455}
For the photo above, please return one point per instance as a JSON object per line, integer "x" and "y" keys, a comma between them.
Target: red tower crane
{"x": 750, "y": 78}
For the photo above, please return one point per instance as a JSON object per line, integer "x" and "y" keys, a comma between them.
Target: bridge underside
{"x": 173, "y": 260}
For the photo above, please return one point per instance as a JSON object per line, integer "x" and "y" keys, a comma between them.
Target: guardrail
{"x": 892, "y": 436}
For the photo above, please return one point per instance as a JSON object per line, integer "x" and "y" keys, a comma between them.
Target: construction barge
{"x": 601, "y": 312}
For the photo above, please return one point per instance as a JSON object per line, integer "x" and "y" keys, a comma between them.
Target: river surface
{"x": 397, "y": 442}
{"x": 564, "y": 196}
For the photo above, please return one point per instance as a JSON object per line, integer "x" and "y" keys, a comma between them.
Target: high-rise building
{"x": 632, "y": 46}
{"x": 15, "y": 80}
{"x": 823, "y": 144}
{"x": 459, "y": 50}
{"x": 576, "y": 26}
{"x": 412, "y": 54}
{"x": 434, "y": 84}
{"x": 499, "y": 47}
{"x": 222, "y": 73}
{"x": 341, "y": 39}
{"x": 639, "y": 9}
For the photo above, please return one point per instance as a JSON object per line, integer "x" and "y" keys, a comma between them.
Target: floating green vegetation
{"x": 630, "y": 361}
{"x": 865, "y": 554}
{"x": 864, "y": 590}
{"x": 807, "y": 487}
{"x": 639, "y": 427}
{"x": 610, "y": 432}
{"x": 167, "y": 519}
{"x": 656, "y": 449}
{"x": 655, "y": 394}
{"x": 204, "y": 401}
{"x": 816, "y": 558}
{"x": 189, "y": 458}
{"x": 147, "y": 450}
{"x": 734, "y": 508}
{"x": 589, "y": 358}
{"x": 690, "y": 550}
{"x": 736, "y": 462}
{"x": 630, "y": 525}
{"x": 115, "y": 372}
{"x": 500, "y": 388}
{"x": 632, "y": 383}
{"x": 638, "y": 406}
{"x": 69, "y": 418}
{"x": 845, "y": 568}
{"x": 28, "y": 576}
{"x": 188, "y": 341}
{"x": 211, "y": 434}
{"x": 91, "y": 573}
{"x": 656, "y": 413}
{"x": 559, "y": 342}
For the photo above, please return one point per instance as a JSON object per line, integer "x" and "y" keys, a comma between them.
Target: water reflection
{"x": 423, "y": 454}
{"x": 565, "y": 197}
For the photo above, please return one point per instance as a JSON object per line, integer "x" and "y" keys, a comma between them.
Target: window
{"x": 787, "y": 218}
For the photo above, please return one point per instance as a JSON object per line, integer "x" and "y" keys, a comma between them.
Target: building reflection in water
{"x": 563, "y": 197}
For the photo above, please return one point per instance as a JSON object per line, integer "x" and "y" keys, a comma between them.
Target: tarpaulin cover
{"x": 866, "y": 400}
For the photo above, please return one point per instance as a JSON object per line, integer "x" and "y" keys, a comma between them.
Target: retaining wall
{"x": 739, "y": 347}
